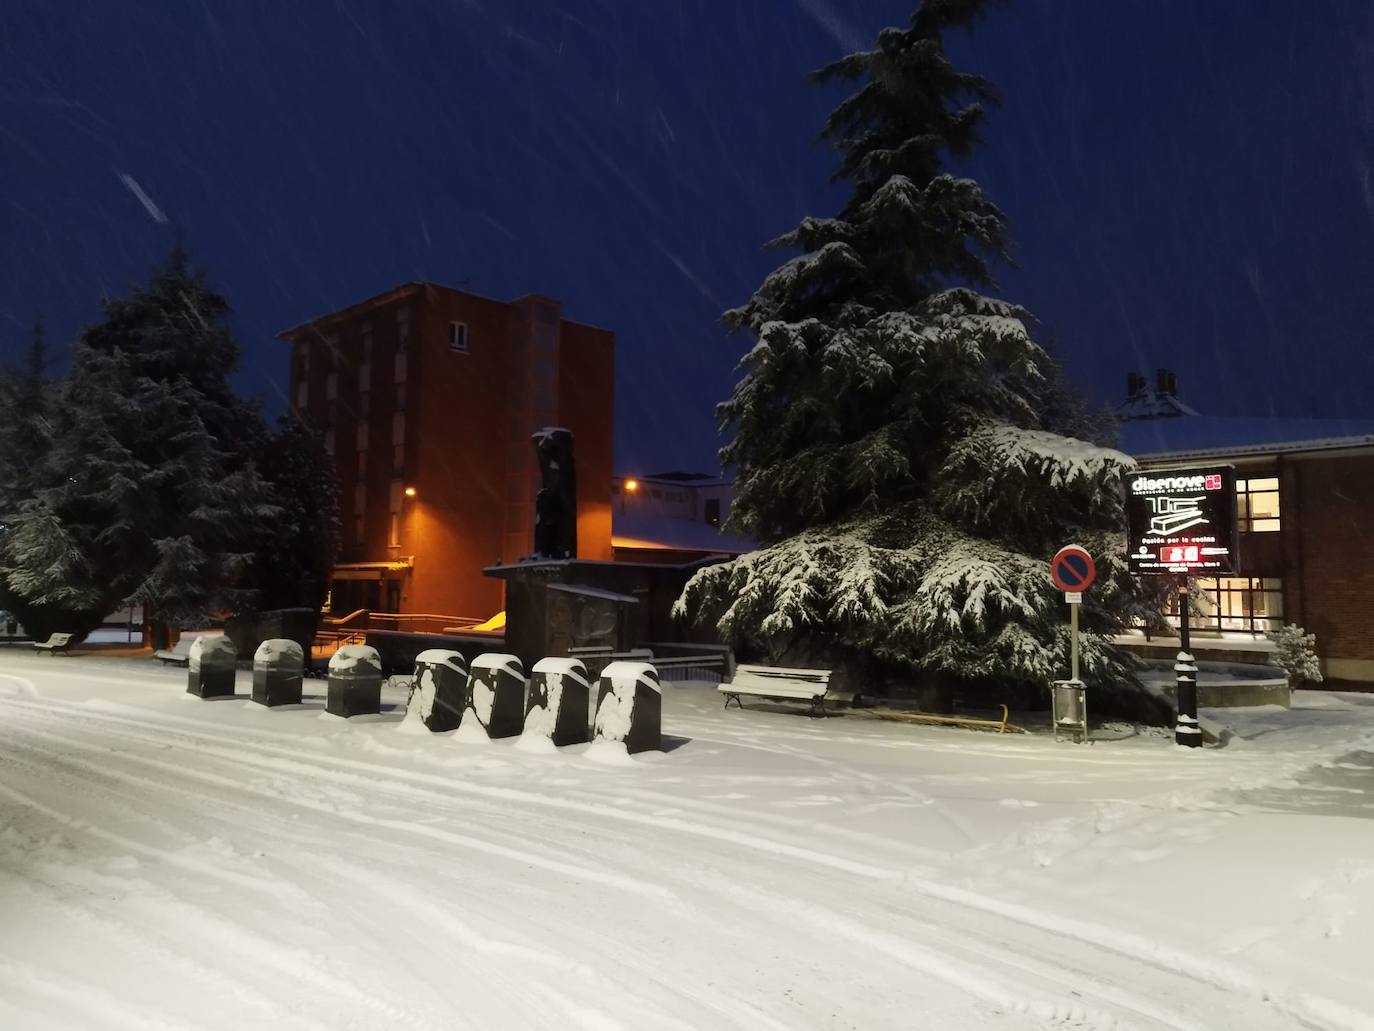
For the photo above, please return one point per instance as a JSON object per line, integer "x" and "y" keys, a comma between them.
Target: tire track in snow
{"x": 1169, "y": 961}
{"x": 565, "y": 869}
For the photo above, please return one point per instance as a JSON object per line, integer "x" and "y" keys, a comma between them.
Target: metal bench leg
{"x": 730, "y": 697}
{"x": 817, "y": 708}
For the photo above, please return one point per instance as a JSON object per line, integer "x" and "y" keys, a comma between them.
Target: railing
{"x": 410, "y": 622}
{"x": 420, "y": 622}
{"x": 712, "y": 664}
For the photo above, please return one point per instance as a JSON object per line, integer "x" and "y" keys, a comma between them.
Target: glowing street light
{"x": 410, "y": 492}
{"x": 631, "y": 486}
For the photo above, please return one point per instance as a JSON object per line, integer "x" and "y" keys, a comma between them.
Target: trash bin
{"x": 1069, "y": 709}
{"x": 560, "y": 692}
{"x": 629, "y": 706}
{"x": 278, "y": 669}
{"x": 440, "y": 688}
{"x": 496, "y": 694}
{"x": 210, "y": 667}
{"x": 355, "y": 681}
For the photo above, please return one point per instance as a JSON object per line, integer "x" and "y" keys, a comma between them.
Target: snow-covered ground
{"x": 172, "y": 863}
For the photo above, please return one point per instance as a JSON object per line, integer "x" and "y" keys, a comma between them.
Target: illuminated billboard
{"x": 1182, "y": 521}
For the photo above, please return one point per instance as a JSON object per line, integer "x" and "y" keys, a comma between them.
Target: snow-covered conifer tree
{"x": 895, "y": 429}
{"x": 149, "y": 493}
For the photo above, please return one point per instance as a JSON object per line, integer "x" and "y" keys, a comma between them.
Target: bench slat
{"x": 772, "y": 691}
{"x": 782, "y": 671}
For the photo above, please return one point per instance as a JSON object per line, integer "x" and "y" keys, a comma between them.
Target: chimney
{"x": 1163, "y": 380}
{"x": 1173, "y": 384}
{"x": 1135, "y": 385}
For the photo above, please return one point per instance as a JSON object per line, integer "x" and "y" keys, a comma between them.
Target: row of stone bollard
{"x": 552, "y": 704}
{"x": 493, "y": 694}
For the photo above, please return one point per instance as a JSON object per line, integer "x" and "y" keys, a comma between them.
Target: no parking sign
{"x": 1072, "y": 569}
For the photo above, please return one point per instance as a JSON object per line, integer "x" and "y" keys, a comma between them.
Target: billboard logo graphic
{"x": 1213, "y": 482}
{"x": 1174, "y": 515}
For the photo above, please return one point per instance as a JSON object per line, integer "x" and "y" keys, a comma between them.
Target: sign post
{"x": 1182, "y": 522}
{"x": 1073, "y": 570}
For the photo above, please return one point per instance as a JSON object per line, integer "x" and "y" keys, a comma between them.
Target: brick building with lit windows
{"x": 427, "y": 398}
{"x": 1305, "y": 503}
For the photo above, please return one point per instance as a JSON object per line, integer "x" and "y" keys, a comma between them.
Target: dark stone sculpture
{"x": 496, "y": 694}
{"x": 440, "y": 688}
{"x": 555, "y": 506}
{"x": 629, "y": 706}
{"x": 210, "y": 669}
{"x": 355, "y": 682}
{"x": 278, "y": 668}
{"x": 557, "y": 705}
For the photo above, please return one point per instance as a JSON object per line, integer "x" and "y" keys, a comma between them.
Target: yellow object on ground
{"x": 1001, "y": 726}
{"x": 497, "y": 622}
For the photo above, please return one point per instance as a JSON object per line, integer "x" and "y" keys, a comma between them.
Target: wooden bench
{"x": 779, "y": 683}
{"x": 181, "y": 654}
{"x": 54, "y": 644}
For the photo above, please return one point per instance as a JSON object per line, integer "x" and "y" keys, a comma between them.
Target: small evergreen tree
{"x": 149, "y": 494}
{"x": 1296, "y": 655}
{"x": 895, "y": 430}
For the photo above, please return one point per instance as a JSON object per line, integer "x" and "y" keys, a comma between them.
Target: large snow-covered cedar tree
{"x": 897, "y": 433}
{"x": 149, "y": 494}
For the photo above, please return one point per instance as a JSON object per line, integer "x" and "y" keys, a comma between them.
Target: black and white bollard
{"x": 496, "y": 694}
{"x": 278, "y": 669}
{"x": 629, "y": 706}
{"x": 355, "y": 681}
{"x": 440, "y": 688}
{"x": 210, "y": 669}
{"x": 560, "y": 692}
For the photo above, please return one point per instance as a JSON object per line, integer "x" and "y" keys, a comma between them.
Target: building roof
{"x": 1213, "y": 436}
{"x": 1148, "y": 403}
{"x": 407, "y": 290}
{"x": 653, "y": 531}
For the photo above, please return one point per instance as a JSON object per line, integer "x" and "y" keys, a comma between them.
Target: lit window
{"x": 393, "y": 538}
{"x": 458, "y": 337}
{"x": 1257, "y": 505}
{"x": 1248, "y": 604}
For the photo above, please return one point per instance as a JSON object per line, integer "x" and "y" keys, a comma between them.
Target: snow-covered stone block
{"x": 355, "y": 681}
{"x": 560, "y": 691}
{"x": 278, "y": 670}
{"x": 210, "y": 668}
{"x": 496, "y": 694}
{"x": 439, "y": 692}
{"x": 629, "y": 706}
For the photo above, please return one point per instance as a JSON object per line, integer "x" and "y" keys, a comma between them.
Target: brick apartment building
{"x": 427, "y": 398}
{"x": 1305, "y": 493}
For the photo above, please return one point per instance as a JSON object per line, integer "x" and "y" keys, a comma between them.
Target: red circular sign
{"x": 1072, "y": 568}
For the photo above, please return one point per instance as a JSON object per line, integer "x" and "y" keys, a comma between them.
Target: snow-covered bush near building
{"x": 1296, "y": 654}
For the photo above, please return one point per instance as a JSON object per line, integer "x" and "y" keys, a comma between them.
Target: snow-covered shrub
{"x": 1296, "y": 654}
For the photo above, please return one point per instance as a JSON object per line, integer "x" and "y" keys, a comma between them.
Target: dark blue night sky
{"x": 1189, "y": 184}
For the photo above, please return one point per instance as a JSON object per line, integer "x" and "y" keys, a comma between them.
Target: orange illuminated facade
{"x": 427, "y": 398}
